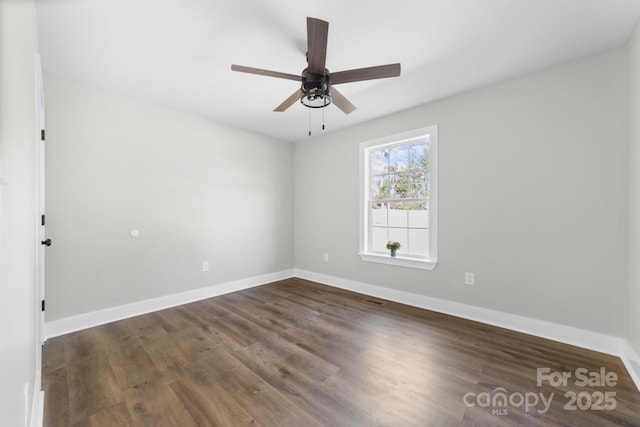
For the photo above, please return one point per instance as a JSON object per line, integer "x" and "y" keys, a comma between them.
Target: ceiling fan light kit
{"x": 316, "y": 89}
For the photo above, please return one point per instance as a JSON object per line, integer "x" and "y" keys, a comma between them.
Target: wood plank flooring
{"x": 296, "y": 353}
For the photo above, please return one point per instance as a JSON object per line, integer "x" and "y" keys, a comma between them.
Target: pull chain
{"x": 310, "y": 118}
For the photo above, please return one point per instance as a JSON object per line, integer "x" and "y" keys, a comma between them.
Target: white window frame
{"x": 426, "y": 263}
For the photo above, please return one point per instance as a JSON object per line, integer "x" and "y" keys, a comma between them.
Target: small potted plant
{"x": 393, "y": 247}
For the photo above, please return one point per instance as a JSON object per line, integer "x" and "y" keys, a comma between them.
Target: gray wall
{"x": 531, "y": 198}
{"x": 531, "y": 189}
{"x": 633, "y": 196}
{"x": 18, "y": 353}
{"x": 195, "y": 190}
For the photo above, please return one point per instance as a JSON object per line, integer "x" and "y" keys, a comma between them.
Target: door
{"x": 41, "y": 242}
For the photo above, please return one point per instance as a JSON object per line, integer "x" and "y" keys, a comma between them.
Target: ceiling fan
{"x": 317, "y": 89}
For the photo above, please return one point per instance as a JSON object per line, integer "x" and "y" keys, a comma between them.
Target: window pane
{"x": 418, "y": 217}
{"x": 379, "y": 162}
{"x": 398, "y": 217}
{"x": 399, "y": 158}
{"x": 399, "y": 183}
{"x": 418, "y": 183}
{"x": 399, "y": 235}
{"x": 379, "y": 239}
{"x": 419, "y": 155}
{"x": 380, "y": 187}
{"x": 418, "y": 241}
{"x": 378, "y": 215}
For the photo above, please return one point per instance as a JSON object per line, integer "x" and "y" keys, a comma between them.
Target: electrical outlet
{"x": 469, "y": 279}
{"x": 205, "y": 266}
{"x": 325, "y": 258}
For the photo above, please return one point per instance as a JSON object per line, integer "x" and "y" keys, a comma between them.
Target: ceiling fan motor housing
{"x": 316, "y": 89}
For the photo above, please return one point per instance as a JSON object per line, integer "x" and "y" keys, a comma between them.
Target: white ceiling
{"x": 178, "y": 53}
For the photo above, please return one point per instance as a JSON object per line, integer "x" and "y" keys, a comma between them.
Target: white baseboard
{"x": 37, "y": 415}
{"x": 631, "y": 361}
{"x": 553, "y": 331}
{"x": 67, "y": 325}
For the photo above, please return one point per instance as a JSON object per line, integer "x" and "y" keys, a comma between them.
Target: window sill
{"x": 424, "y": 264}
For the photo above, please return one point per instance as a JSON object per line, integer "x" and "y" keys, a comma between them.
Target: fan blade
{"x": 370, "y": 73}
{"x": 262, "y": 72}
{"x": 317, "y": 34}
{"x": 341, "y": 102}
{"x": 295, "y": 96}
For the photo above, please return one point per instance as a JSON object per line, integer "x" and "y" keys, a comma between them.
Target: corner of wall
{"x": 632, "y": 210}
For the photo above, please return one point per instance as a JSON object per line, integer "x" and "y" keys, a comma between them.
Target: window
{"x": 398, "y": 198}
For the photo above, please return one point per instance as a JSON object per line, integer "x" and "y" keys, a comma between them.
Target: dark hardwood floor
{"x": 296, "y": 353}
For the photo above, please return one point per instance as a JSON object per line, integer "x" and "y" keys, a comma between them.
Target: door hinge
{"x": 42, "y": 134}
{"x": 42, "y": 305}
{"x": 42, "y": 221}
